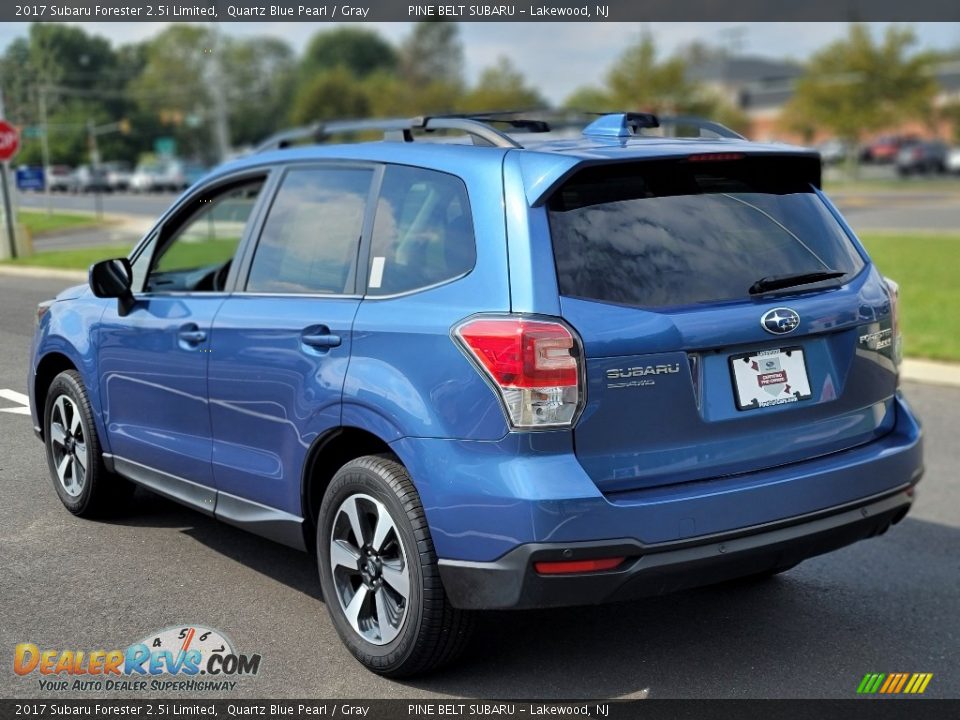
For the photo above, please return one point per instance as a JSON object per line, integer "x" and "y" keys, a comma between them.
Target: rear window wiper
{"x": 778, "y": 282}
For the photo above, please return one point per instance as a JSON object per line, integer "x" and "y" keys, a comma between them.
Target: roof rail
{"x": 402, "y": 129}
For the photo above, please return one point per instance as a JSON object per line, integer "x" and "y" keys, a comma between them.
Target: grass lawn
{"x": 926, "y": 267}
{"x": 38, "y": 222}
{"x": 905, "y": 185}
{"x": 183, "y": 255}
{"x": 79, "y": 259}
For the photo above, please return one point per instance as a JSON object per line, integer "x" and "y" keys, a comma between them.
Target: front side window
{"x": 196, "y": 252}
{"x": 679, "y": 232}
{"x": 311, "y": 237}
{"x": 423, "y": 232}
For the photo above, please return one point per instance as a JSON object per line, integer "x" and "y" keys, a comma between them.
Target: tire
{"x": 423, "y": 631}
{"x": 70, "y": 436}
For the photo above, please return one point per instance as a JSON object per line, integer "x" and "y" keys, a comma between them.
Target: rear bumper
{"x": 512, "y": 581}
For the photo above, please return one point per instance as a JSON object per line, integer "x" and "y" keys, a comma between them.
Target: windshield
{"x": 680, "y": 232}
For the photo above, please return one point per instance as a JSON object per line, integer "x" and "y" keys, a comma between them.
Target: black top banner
{"x": 536, "y": 11}
{"x": 453, "y": 709}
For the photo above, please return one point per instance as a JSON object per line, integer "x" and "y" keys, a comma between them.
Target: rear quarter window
{"x": 422, "y": 232}
{"x": 680, "y": 232}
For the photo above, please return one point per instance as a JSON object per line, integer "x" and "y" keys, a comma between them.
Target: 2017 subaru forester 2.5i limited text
{"x": 474, "y": 374}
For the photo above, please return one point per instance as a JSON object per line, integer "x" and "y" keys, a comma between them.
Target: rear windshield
{"x": 680, "y": 232}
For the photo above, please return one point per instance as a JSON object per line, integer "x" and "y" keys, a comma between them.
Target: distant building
{"x": 758, "y": 86}
{"x": 761, "y": 87}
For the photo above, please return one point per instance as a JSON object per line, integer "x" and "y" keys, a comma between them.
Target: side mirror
{"x": 113, "y": 279}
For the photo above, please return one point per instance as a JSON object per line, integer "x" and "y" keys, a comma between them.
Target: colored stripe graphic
{"x": 894, "y": 683}
{"x": 910, "y": 685}
{"x": 870, "y": 683}
{"x": 903, "y": 681}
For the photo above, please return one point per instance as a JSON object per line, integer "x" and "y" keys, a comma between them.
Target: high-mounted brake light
{"x": 535, "y": 365}
{"x": 715, "y": 157}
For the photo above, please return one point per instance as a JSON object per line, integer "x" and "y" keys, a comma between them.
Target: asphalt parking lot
{"x": 885, "y": 605}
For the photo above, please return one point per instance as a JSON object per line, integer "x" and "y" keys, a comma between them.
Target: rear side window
{"x": 681, "y": 232}
{"x": 311, "y": 237}
{"x": 423, "y": 232}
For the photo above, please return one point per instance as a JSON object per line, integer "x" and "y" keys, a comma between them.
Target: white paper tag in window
{"x": 376, "y": 271}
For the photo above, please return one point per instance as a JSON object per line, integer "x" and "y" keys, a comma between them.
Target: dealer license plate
{"x": 770, "y": 377}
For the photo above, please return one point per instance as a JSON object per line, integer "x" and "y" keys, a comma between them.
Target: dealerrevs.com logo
{"x": 181, "y": 658}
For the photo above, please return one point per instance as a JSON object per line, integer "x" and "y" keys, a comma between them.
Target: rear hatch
{"x": 729, "y": 324}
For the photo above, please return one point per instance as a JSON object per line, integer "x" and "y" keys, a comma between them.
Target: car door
{"x": 280, "y": 345}
{"x": 153, "y": 355}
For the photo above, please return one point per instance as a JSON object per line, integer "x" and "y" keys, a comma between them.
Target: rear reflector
{"x": 568, "y": 567}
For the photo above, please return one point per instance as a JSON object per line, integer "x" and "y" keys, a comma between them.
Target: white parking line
{"x": 16, "y": 397}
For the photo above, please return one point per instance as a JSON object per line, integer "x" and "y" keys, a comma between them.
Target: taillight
{"x": 894, "y": 290}
{"x": 535, "y": 366}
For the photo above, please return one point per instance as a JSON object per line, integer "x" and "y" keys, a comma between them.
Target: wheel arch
{"x": 327, "y": 454}
{"x": 50, "y": 365}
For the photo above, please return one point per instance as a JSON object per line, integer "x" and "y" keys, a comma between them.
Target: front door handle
{"x": 320, "y": 340}
{"x": 192, "y": 334}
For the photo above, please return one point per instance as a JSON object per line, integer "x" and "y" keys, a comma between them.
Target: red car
{"x": 885, "y": 148}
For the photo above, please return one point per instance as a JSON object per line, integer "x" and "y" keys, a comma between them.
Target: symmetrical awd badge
{"x": 780, "y": 321}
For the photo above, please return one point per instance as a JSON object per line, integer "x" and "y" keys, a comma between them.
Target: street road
{"x": 884, "y": 605}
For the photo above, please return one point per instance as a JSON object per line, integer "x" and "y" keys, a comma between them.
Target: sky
{"x": 559, "y": 57}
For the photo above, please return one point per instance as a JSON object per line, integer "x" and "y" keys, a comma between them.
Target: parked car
{"x": 492, "y": 376}
{"x": 925, "y": 157}
{"x": 60, "y": 178}
{"x": 119, "y": 174}
{"x": 832, "y": 152}
{"x": 885, "y": 148}
{"x": 145, "y": 178}
{"x": 166, "y": 176}
{"x": 91, "y": 179}
{"x": 953, "y": 161}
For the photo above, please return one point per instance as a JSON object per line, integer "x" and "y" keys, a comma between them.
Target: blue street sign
{"x": 30, "y": 178}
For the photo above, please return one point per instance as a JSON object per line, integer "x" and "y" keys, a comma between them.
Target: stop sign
{"x": 9, "y": 141}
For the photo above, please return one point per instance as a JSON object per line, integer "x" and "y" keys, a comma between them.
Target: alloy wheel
{"x": 369, "y": 567}
{"x": 68, "y": 440}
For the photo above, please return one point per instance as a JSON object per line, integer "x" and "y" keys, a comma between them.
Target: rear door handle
{"x": 320, "y": 340}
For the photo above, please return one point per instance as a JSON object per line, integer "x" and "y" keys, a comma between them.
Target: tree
{"x": 260, "y": 74}
{"x": 638, "y": 80}
{"x": 174, "y": 86}
{"x": 331, "y": 95}
{"x": 856, "y": 85}
{"x": 433, "y": 53}
{"x": 363, "y": 52}
{"x": 588, "y": 99}
{"x": 501, "y": 87}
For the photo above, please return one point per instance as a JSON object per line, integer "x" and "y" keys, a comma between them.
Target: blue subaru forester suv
{"x": 474, "y": 374}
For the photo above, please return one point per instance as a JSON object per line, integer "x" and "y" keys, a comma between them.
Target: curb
{"x": 930, "y": 372}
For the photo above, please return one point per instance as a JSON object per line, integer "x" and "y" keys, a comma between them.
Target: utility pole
{"x": 221, "y": 121}
{"x": 7, "y": 202}
{"x": 44, "y": 146}
{"x": 95, "y": 166}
